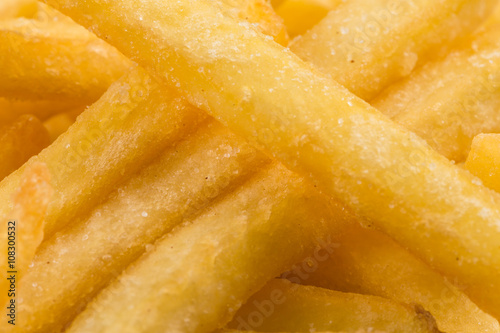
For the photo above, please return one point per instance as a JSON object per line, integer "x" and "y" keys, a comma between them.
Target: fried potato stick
{"x": 316, "y": 127}
{"x": 17, "y": 8}
{"x": 449, "y": 102}
{"x": 196, "y": 277}
{"x": 24, "y": 227}
{"x": 181, "y": 182}
{"x": 301, "y": 15}
{"x": 52, "y": 60}
{"x": 484, "y": 161}
{"x": 282, "y": 306}
{"x": 262, "y": 15}
{"x": 19, "y": 141}
{"x": 368, "y": 262}
{"x": 368, "y": 45}
{"x": 114, "y": 138}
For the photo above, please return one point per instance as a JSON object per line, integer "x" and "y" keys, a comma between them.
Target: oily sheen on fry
{"x": 315, "y": 126}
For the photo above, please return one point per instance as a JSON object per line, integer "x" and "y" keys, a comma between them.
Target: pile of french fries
{"x": 250, "y": 165}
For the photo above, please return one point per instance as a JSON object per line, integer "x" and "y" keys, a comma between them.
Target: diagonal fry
{"x": 70, "y": 63}
{"x": 315, "y": 126}
{"x": 449, "y": 102}
{"x": 182, "y": 181}
{"x": 368, "y": 45}
{"x": 197, "y": 276}
{"x": 19, "y": 141}
{"x": 115, "y": 137}
{"x": 282, "y": 306}
{"x": 368, "y": 262}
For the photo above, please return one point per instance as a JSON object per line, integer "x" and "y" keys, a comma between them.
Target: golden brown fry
{"x": 114, "y": 138}
{"x": 24, "y": 227}
{"x": 19, "y": 141}
{"x": 60, "y": 123}
{"x": 282, "y": 306}
{"x": 368, "y": 262}
{"x": 368, "y": 45}
{"x": 53, "y": 60}
{"x": 301, "y": 15}
{"x": 182, "y": 181}
{"x": 195, "y": 278}
{"x": 449, "y": 102}
{"x": 31, "y": 201}
{"x": 17, "y": 8}
{"x": 484, "y": 162}
{"x": 264, "y": 93}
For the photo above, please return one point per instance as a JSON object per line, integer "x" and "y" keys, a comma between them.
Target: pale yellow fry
{"x": 368, "y": 45}
{"x": 301, "y": 15}
{"x": 282, "y": 306}
{"x": 24, "y": 226}
{"x": 261, "y": 14}
{"x": 31, "y": 201}
{"x": 19, "y": 141}
{"x": 196, "y": 277}
{"x": 115, "y": 137}
{"x": 368, "y": 262}
{"x": 266, "y": 94}
{"x": 182, "y": 181}
{"x": 484, "y": 162}
{"x": 16, "y": 8}
{"x": 52, "y": 60}
{"x": 449, "y": 102}
{"x": 12, "y": 109}
{"x": 60, "y": 123}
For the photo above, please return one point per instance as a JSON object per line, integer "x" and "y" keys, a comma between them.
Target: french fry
{"x": 70, "y": 63}
{"x": 25, "y": 232}
{"x": 261, "y": 12}
{"x": 196, "y": 277}
{"x": 282, "y": 306}
{"x": 183, "y": 181}
{"x": 12, "y": 109}
{"x": 484, "y": 161}
{"x": 17, "y": 8}
{"x": 316, "y": 127}
{"x": 449, "y": 102}
{"x": 19, "y": 141}
{"x": 60, "y": 123}
{"x": 368, "y": 45}
{"x": 301, "y": 15}
{"x": 368, "y": 262}
{"x": 114, "y": 138}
